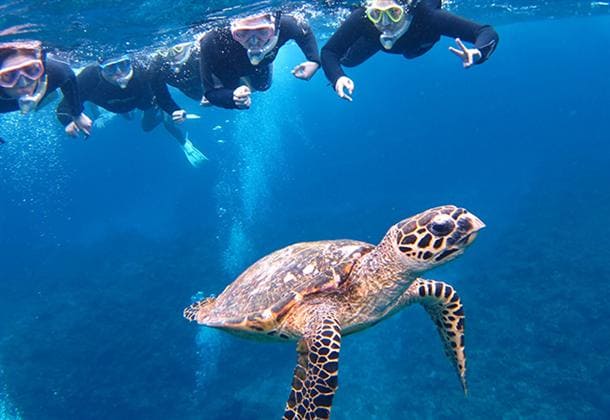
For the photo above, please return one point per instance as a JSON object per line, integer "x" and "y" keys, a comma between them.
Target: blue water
{"x": 104, "y": 242}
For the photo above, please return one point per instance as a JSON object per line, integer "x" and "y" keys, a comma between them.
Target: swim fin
{"x": 194, "y": 156}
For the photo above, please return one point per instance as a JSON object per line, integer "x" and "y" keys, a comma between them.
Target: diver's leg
{"x": 194, "y": 156}
{"x": 173, "y": 129}
{"x": 151, "y": 118}
{"x": 129, "y": 116}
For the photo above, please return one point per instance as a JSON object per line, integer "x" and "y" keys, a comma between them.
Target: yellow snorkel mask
{"x": 390, "y": 18}
{"x": 180, "y": 53}
{"x": 177, "y": 55}
{"x": 393, "y": 12}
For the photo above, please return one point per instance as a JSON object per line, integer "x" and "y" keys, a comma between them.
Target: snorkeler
{"x": 28, "y": 77}
{"x": 407, "y": 27}
{"x": 121, "y": 85}
{"x": 178, "y": 66}
{"x": 238, "y": 59}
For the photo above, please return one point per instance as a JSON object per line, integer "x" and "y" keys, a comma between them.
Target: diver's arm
{"x": 63, "y": 112}
{"x": 303, "y": 36}
{"x": 161, "y": 91}
{"x": 219, "y": 96}
{"x": 86, "y": 81}
{"x": 61, "y": 75}
{"x": 484, "y": 37}
{"x": 338, "y": 45}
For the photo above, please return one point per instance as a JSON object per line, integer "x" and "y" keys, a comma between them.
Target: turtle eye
{"x": 441, "y": 226}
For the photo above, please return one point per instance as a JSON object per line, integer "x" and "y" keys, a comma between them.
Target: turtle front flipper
{"x": 444, "y": 306}
{"x": 315, "y": 376}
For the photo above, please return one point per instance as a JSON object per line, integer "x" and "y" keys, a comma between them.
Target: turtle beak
{"x": 477, "y": 225}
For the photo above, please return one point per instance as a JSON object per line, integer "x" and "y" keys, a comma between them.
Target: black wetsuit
{"x": 357, "y": 39}
{"x": 226, "y": 60}
{"x": 59, "y": 75}
{"x": 139, "y": 93}
{"x": 186, "y": 76}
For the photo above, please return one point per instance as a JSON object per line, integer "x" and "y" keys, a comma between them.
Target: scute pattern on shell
{"x": 286, "y": 276}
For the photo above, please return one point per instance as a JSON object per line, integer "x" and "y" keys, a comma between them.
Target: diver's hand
{"x": 72, "y": 129}
{"x": 241, "y": 97}
{"x": 469, "y": 56}
{"x": 305, "y": 70}
{"x": 344, "y": 83}
{"x": 179, "y": 116}
{"x": 82, "y": 123}
{"x": 20, "y": 29}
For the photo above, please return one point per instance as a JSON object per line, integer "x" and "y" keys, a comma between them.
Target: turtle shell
{"x": 273, "y": 284}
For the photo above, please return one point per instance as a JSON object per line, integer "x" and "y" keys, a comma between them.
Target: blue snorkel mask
{"x": 118, "y": 71}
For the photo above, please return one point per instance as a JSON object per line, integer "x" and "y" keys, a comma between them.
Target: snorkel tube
{"x": 124, "y": 81}
{"x": 28, "y": 103}
{"x": 389, "y": 37}
{"x": 258, "y": 55}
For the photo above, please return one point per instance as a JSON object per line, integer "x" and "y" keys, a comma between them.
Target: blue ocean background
{"x": 104, "y": 242}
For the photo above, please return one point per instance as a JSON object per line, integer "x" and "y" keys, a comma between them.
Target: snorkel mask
{"x": 177, "y": 55}
{"x": 390, "y": 18}
{"x": 117, "y": 71}
{"x": 22, "y": 70}
{"x": 257, "y": 34}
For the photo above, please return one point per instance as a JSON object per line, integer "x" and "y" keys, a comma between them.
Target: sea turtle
{"x": 316, "y": 292}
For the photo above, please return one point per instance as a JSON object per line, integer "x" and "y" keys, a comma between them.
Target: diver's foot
{"x": 195, "y": 157}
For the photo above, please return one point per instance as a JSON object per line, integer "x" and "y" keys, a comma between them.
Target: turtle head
{"x": 435, "y": 236}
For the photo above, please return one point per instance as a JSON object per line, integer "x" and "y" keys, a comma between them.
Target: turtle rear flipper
{"x": 199, "y": 310}
{"x": 315, "y": 376}
{"x": 444, "y": 306}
